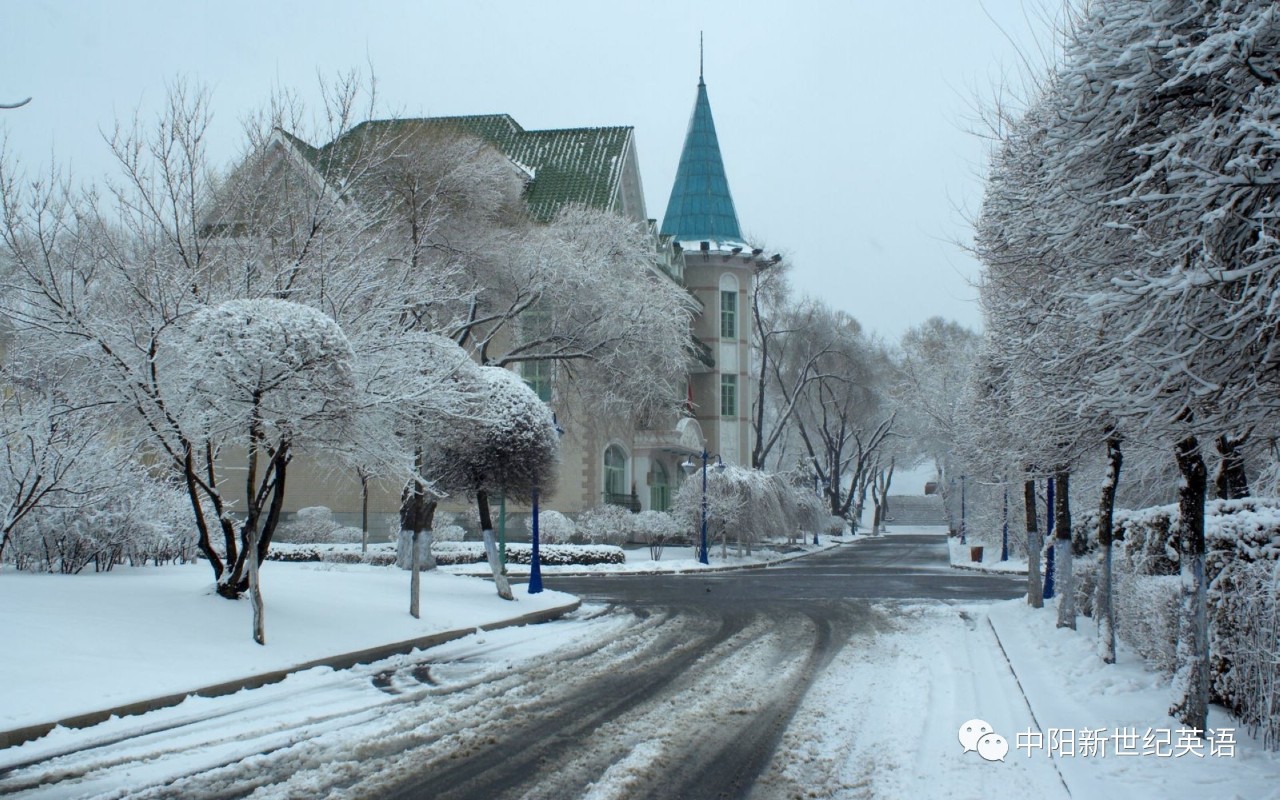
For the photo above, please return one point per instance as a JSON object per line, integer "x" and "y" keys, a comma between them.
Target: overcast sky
{"x": 844, "y": 126}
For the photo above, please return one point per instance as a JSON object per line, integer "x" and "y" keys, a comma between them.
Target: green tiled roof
{"x": 571, "y": 165}
{"x": 701, "y": 207}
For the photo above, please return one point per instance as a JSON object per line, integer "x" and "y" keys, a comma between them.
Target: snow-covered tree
{"x": 933, "y": 366}
{"x": 51, "y": 456}
{"x": 512, "y": 448}
{"x": 844, "y": 415}
{"x": 267, "y": 377}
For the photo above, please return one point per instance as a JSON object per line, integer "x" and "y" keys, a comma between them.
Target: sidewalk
{"x": 1105, "y": 727}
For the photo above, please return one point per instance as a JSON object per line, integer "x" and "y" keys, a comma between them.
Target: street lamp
{"x": 535, "y": 563}
{"x": 962, "y": 528}
{"x": 688, "y": 466}
{"x": 820, "y": 487}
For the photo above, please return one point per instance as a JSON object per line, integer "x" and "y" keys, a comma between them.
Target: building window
{"x": 615, "y": 473}
{"x": 538, "y": 375}
{"x": 728, "y": 314}
{"x": 660, "y": 491}
{"x": 728, "y": 395}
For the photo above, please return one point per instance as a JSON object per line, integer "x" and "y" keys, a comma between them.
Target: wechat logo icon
{"x": 978, "y": 735}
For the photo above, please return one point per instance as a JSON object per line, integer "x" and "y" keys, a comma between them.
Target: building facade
{"x": 698, "y": 245}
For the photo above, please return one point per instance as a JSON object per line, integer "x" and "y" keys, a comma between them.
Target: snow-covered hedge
{"x": 1242, "y": 566}
{"x": 449, "y": 553}
{"x": 549, "y": 556}
{"x": 380, "y": 555}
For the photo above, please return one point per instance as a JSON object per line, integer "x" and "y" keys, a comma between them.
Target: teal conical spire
{"x": 701, "y": 207}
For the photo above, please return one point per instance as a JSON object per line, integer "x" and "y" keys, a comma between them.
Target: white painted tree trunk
{"x": 404, "y": 550}
{"x": 415, "y": 579}
{"x": 495, "y": 565}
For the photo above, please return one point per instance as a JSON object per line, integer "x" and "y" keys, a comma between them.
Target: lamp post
{"x": 688, "y": 466}
{"x": 535, "y": 562}
{"x": 963, "y": 538}
{"x": 535, "y": 565}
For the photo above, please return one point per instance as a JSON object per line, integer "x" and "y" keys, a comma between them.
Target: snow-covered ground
{"x": 882, "y": 719}
{"x": 81, "y": 643}
{"x": 962, "y": 555}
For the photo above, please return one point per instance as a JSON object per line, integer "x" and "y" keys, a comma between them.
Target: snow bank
{"x": 79, "y": 644}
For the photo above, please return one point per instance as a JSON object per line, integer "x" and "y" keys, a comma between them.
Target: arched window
{"x": 660, "y": 490}
{"x": 615, "y": 473}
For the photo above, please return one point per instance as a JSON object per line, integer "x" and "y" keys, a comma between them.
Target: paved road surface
{"x": 779, "y": 626}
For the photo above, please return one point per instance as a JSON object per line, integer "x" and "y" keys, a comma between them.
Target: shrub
{"x": 553, "y": 527}
{"x": 835, "y": 526}
{"x": 605, "y": 524}
{"x": 1241, "y": 567}
{"x": 314, "y": 525}
{"x": 658, "y": 529}
{"x": 448, "y": 533}
{"x": 150, "y": 523}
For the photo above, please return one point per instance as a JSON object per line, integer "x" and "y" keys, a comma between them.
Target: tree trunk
{"x": 417, "y": 510}
{"x": 255, "y": 587}
{"x": 1062, "y": 546}
{"x": 491, "y": 547}
{"x": 364, "y": 513}
{"x": 1191, "y": 679}
{"x": 1035, "y": 543}
{"x": 884, "y": 498}
{"x": 415, "y": 575}
{"x": 1103, "y": 609}
{"x": 1230, "y": 481}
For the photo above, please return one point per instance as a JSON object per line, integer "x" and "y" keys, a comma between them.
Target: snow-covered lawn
{"x": 78, "y": 644}
{"x": 883, "y": 721}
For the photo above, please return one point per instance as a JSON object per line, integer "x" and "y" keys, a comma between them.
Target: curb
{"x": 1027, "y": 700}
{"x": 970, "y": 568}
{"x": 17, "y": 736}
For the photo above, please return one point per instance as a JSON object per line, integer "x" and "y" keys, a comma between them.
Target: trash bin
{"x": 975, "y": 555}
